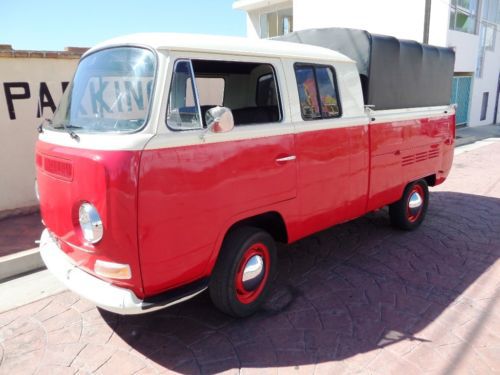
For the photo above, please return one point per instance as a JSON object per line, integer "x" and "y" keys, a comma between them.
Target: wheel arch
{"x": 269, "y": 221}
{"x": 431, "y": 180}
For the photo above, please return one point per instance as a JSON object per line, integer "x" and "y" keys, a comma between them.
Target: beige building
{"x": 31, "y": 84}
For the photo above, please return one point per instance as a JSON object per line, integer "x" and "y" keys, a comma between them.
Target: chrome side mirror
{"x": 219, "y": 119}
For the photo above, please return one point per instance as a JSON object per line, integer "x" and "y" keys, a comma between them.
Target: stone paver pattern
{"x": 359, "y": 297}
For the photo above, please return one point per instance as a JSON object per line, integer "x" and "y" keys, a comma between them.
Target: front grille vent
{"x": 57, "y": 167}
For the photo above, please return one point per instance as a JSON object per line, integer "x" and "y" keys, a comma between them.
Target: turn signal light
{"x": 112, "y": 270}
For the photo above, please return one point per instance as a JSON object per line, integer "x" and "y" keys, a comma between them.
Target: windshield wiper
{"x": 40, "y": 127}
{"x": 72, "y": 134}
{"x": 68, "y": 128}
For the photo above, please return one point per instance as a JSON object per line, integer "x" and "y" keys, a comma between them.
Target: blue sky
{"x": 55, "y": 24}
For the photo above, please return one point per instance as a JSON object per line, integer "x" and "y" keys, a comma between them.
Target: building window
{"x": 463, "y": 16}
{"x": 318, "y": 97}
{"x": 276, "y": 23}
{"x": 491, "y": 11}
{"x": 490, "y": 32}
{"x": 490, "y": 19}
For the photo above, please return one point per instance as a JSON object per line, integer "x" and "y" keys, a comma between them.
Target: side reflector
{"x": 112, "y": 270}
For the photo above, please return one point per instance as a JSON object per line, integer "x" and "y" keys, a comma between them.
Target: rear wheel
{"x": 246, "y": 265}
{"x": 409, "y": 212}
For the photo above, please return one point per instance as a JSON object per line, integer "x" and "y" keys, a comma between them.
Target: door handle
{"x": 286, "y": 158}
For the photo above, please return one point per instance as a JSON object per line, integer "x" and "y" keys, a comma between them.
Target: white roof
{"x": 225, "y": 44}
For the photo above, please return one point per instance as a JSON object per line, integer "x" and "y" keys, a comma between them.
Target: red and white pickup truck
{"x": 174, "y": 163}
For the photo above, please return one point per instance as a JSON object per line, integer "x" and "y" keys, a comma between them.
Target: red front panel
{"x": 190, "y": 195}
{"x": 108, "y": 179}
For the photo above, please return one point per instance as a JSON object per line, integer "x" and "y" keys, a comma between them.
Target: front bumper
{"x": 102, "y": 293}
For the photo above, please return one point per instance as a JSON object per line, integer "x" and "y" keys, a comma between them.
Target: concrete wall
{"x": 488, "y": 83}
{"x": 440, "y": 19}
{"x": 466, "y": 50}
{"x": 362, "y": 14}
{"x": 31, "y": 84}
{"x": 403, "y": 19}
{"x": 253, "y": 26}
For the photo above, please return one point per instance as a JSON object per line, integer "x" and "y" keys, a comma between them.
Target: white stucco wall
{"x": 362, "y": 14}
{"x": 440, "y": 19}
{"x": 488, "y": 83}
{"x": 18, "y": 135}
{"x": 253, "y": 27}
{"x": 466, "y": 49}
{"x": 403, "y": 19}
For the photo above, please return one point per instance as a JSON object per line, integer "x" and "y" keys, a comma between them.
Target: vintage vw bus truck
{"x": 174, "y": 163}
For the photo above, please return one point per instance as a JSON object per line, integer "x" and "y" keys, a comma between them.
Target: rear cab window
{"x": 249, "y": 89}
{"x": 317, "y": 90}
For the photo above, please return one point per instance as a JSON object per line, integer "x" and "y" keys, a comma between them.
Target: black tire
{"x": 226, "y": 285}
{"x": 405, "y": 217}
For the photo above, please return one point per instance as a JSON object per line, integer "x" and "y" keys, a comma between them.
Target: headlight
{"x": 90, "y": 222}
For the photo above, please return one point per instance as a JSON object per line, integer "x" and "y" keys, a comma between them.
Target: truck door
{"x": 332, "y": 148}
{"x": 193, "y": 181}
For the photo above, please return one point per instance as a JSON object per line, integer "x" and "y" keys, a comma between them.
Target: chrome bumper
{"x": 103, "y": 294}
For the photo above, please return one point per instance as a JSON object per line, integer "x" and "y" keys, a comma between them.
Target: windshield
{"x": 111, "y": 92}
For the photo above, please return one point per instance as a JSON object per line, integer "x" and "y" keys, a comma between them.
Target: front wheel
{"x": 241, "y": 277}
{"x": 409, "y": 212}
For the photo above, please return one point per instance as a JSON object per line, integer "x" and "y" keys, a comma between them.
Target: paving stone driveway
{"x": 360, "y": 297}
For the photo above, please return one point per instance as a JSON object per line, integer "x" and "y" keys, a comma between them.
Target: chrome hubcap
{"x": 253, "y": 273}
{"x": 415, "y": 203}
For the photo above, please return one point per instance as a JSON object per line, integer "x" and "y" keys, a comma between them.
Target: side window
{"x": 317, "y": 92}
{"x": 183, "y": 112}
{"x": 327, "y": 92}
{"x": 308, "y": 94}
{"x": 248, "y": 89}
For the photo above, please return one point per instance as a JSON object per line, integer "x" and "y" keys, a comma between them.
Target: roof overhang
{"x": 249, "y": 5}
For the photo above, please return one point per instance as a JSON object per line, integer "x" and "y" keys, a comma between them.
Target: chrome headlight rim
{"x": 90, "y": 223}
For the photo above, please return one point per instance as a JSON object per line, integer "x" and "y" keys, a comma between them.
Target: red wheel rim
{"x": 242, "y": 294}
{"x": 414, "y": 213}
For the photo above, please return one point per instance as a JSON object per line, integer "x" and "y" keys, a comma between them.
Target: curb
{"x": 20, "y": 263}
{"x": 464, "y": 141}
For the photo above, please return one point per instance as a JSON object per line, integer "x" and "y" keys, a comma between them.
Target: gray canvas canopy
{"x": 394, "y": 73}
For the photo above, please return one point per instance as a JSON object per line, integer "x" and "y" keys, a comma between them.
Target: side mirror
{"x": 219, "y": 119}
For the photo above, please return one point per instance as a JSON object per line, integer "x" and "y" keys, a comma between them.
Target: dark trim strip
{"x": 172, "y": 295}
